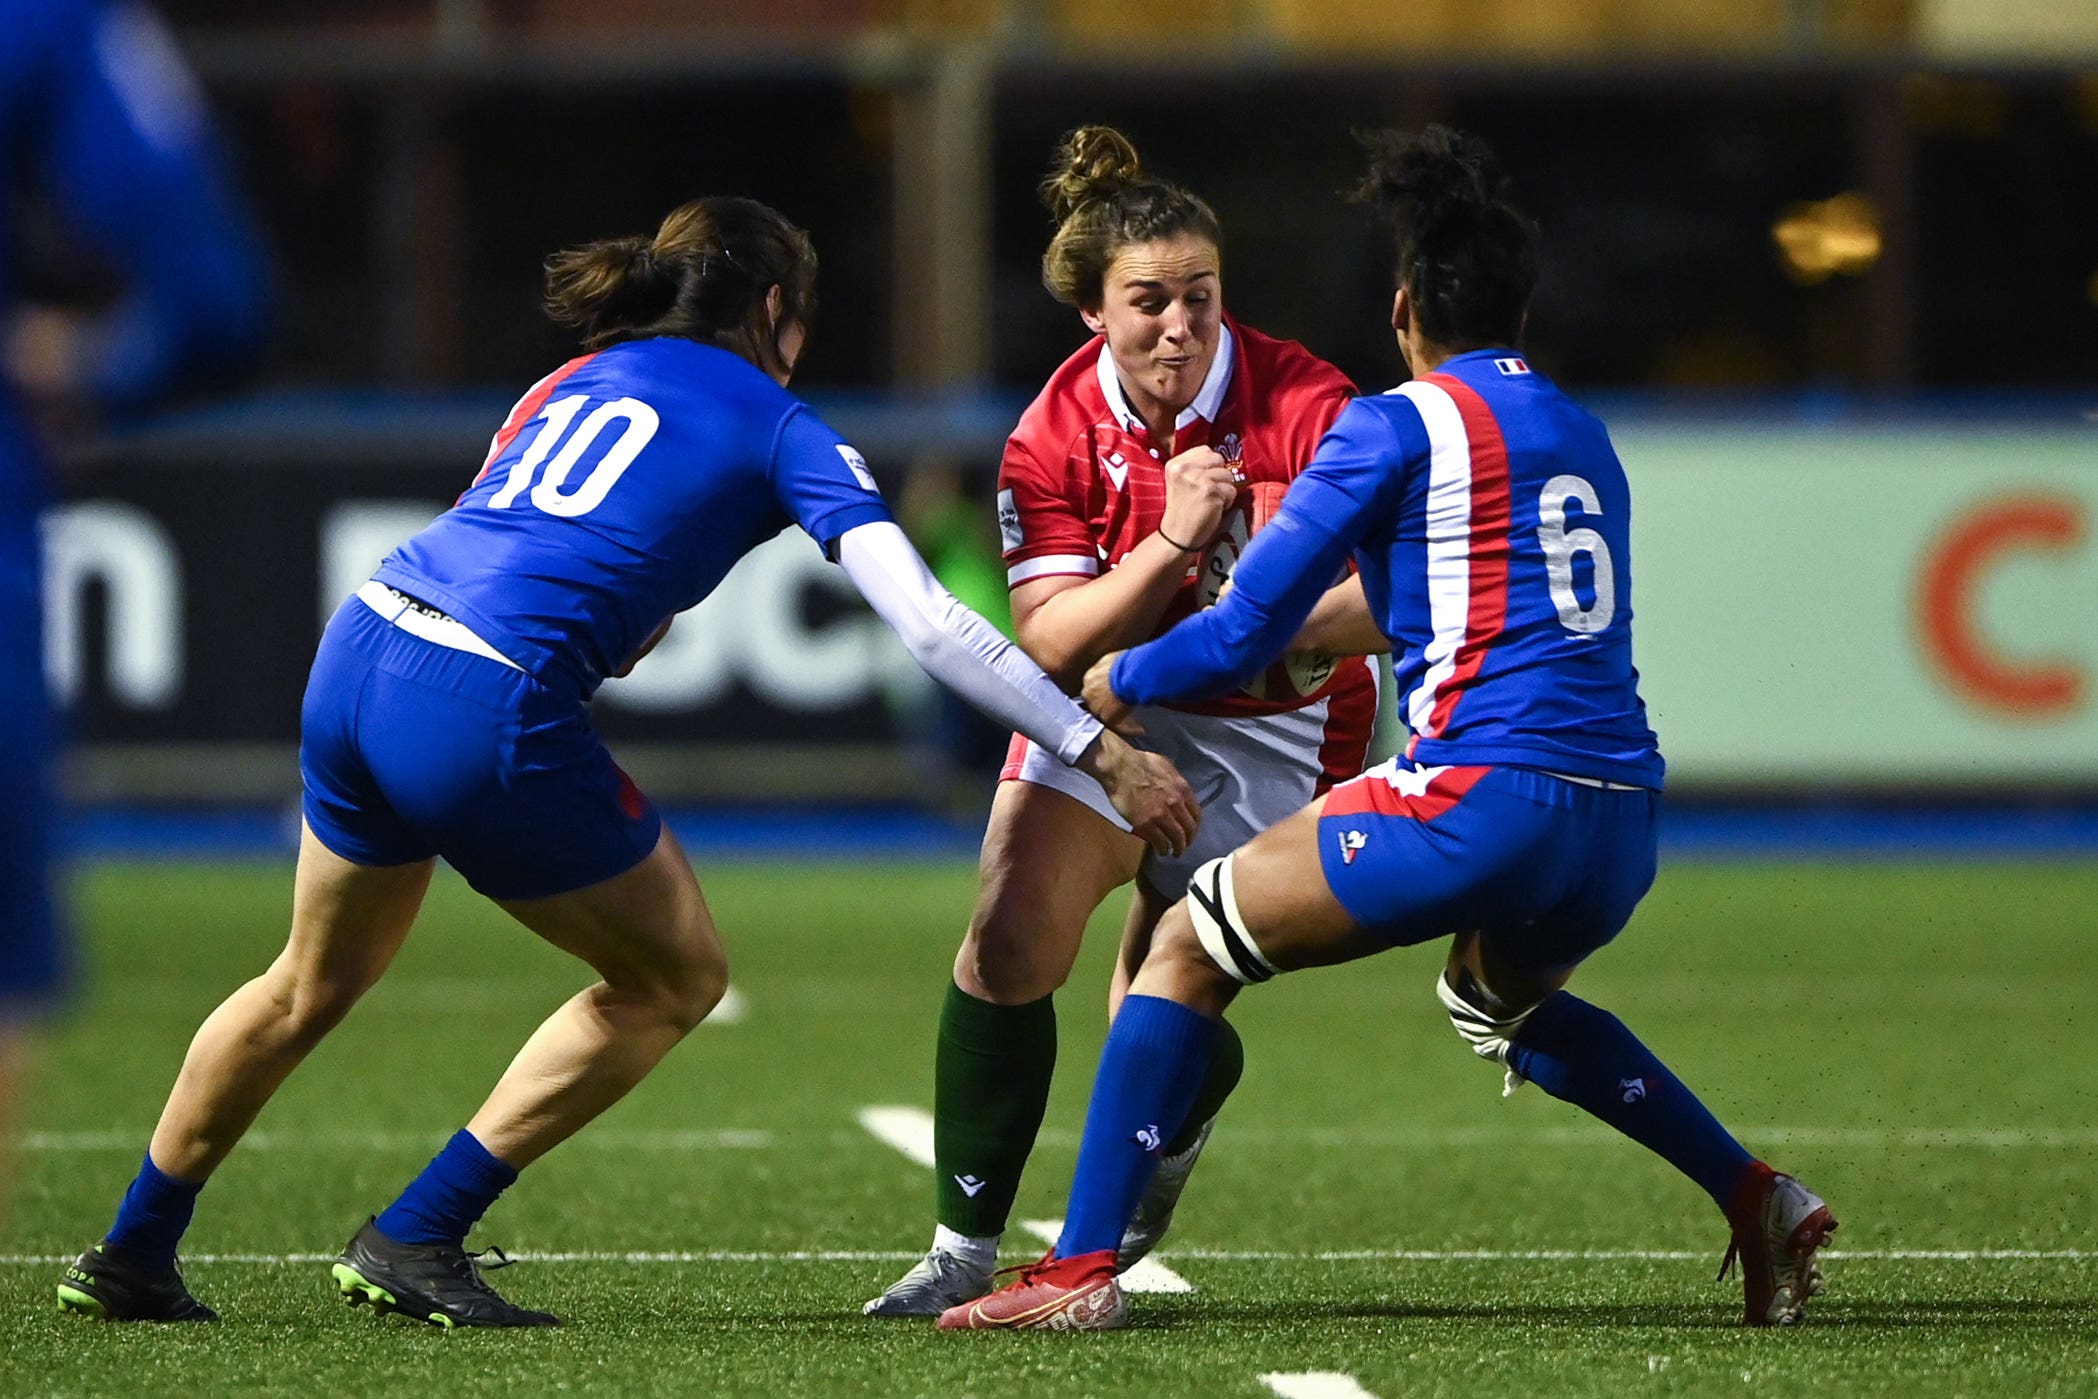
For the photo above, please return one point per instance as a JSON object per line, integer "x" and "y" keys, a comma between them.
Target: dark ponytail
{"x": 1465, "y": 254}
{"x": 703, "y": 276}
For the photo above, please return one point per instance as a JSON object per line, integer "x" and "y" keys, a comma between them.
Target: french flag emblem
{"x": 1511, "y": 366}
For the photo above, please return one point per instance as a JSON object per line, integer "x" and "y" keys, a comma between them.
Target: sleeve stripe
{"x": 1049, "y": 565}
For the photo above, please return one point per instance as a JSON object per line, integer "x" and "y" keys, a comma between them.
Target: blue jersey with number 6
{"x": 1491, "y": 522}
{"x": 618, "y": 493}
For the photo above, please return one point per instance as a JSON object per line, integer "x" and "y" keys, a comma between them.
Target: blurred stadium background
{"x": 1829, "y": 268}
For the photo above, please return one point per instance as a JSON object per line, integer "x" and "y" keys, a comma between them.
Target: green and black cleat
{"x": 109, "y": 1284}
{"x": 437, "y": 1283}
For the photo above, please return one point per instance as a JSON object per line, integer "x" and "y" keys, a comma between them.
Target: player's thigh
{"x": 1284, "y": 903}
{"x": 1048, "y": 861}
{"x": 347, "y": 920}
{"x": 647, "y": 928}
{"x": 1600, "y": 858}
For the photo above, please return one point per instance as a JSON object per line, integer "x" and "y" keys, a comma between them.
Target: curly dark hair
{"x": 1462, "y": 249}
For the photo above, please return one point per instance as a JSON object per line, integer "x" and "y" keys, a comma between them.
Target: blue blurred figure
{"x": 98, "y": 116}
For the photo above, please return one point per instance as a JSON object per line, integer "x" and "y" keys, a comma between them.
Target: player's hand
{"x": 1200, "y": 486}
{"x": 1147, "y": 789}
{"x": 1107, "y": 706}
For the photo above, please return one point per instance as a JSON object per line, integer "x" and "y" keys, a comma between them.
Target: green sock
{"x": 990, "y": 1089}
{"x": 1227, "y": 1060}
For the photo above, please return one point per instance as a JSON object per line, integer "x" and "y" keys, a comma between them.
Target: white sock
{"x": 976, "y": 1252}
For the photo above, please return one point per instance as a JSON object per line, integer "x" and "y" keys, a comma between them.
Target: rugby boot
{"x": 110, "y": 1284}
{"x": 1778, "y": 1226}
{"x": 437, "y": 1283}
{"x": 1154, "y": 1212}
{"x": 1056, "y": 1294}
{"x": 936, "y": 1282}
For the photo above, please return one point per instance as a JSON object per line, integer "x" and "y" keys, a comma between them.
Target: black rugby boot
{"x": 437, "y": 1283}
{"x": 111, "y": 1285}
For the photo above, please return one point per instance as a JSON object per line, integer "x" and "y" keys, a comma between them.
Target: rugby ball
{"x": 1298, "y": 673}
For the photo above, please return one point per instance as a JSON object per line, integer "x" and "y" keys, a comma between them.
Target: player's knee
{"x": 697, "y": 988}
{"x": 1488, "y": 1026}
{"x": 680, "y": 986}
{"x": 311, "y": 1006}
{"x": 1006, "y": 962}
{"x": 1216, "y": 926}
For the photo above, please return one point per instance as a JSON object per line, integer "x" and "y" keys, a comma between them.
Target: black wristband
{"x": 1183, "y": 548}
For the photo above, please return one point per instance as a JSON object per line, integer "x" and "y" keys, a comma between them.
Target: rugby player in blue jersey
{"x": 97, "y": 115}
{"x": 446, "y": 717}
{"x": 1489, "y": 518}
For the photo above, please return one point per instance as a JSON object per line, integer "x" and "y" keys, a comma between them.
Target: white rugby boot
{"x": 1154, "y": 1212}
{"x": 936, "y": 1282}
{"x": 1778, "y": 1226}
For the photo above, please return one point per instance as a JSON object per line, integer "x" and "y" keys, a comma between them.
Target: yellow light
{"x": 1837, "y": 237}
{"x": 2091, "y": 289}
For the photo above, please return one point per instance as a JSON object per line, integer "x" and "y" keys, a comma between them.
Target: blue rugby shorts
{"x": 410, "y": 749}
{"x": 1550, "y": 867}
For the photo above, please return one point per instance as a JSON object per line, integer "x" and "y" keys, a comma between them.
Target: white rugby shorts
{"x": 1248, "y": 773}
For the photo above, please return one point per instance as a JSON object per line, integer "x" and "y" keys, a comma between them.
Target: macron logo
{"x": 1117, "y": 468}
{"x": 970, "y": 1185}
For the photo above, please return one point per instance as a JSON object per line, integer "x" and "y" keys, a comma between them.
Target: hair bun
{"x": 1092, "y": 163}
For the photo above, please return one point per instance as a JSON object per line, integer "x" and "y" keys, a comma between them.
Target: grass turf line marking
{"x": 1218, "y": 1255}
{"x": 731, "y": 1009}
{"x": 1149, "y": 1275}
{"x": 671, "y": 1139}
{"x": 1316, "y": 1384}
{"x": 907, "y": 1129}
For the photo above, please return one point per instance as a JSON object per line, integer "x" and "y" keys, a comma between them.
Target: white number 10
{"x": 641, "y": 425}
{"x": 1560, "y": 544}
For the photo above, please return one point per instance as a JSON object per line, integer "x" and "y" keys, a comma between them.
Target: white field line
{"x": 898, "y": 1126}
{"x": 1149, "y": 1275}
{"x": 695, "y": 1139}
{"x": 732, "y": 1009}
{"x": 909, "y": 1130}
{"x": 1316, "y": 1384}
{"x": 1359, "y": 1255}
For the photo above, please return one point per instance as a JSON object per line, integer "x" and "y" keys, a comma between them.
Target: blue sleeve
{"x": 1285, "y": 570}
{"x": 126, "y": 145}
{"x": 821, "y": 481}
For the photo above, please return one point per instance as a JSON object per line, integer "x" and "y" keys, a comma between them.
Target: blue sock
{"x": 1157, "y": 1052}
{"x": 154, "y": 1214}
{"x": 1585, "y": 1056}
{"x": 449, "y": 1197}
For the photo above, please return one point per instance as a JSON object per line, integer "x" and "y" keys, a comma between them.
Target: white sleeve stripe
{"x": 1447, "y": 524}
{"x": 1049, "y": 564}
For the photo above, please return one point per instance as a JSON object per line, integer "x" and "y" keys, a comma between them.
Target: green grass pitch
{"x": 1918, "y": 1042}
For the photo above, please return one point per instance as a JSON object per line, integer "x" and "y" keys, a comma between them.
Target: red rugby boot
{"x": 1056, "y": 1294}
{"x": 1779, "y": 1224}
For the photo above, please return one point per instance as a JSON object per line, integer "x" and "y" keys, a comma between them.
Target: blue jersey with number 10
{"x": 1490, "y": 519}
{"x": 618, "y": 493}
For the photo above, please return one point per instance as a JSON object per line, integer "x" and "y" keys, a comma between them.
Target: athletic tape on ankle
{"x": 1214, "y": 905}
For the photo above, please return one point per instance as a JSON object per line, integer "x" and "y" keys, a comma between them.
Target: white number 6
{"x": 1560, "y": 544}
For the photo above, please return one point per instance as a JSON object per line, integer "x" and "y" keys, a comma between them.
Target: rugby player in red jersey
{"x": 1124, "y": 493}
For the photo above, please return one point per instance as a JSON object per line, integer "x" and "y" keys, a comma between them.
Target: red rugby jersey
{"x": 1081, "y": 483}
